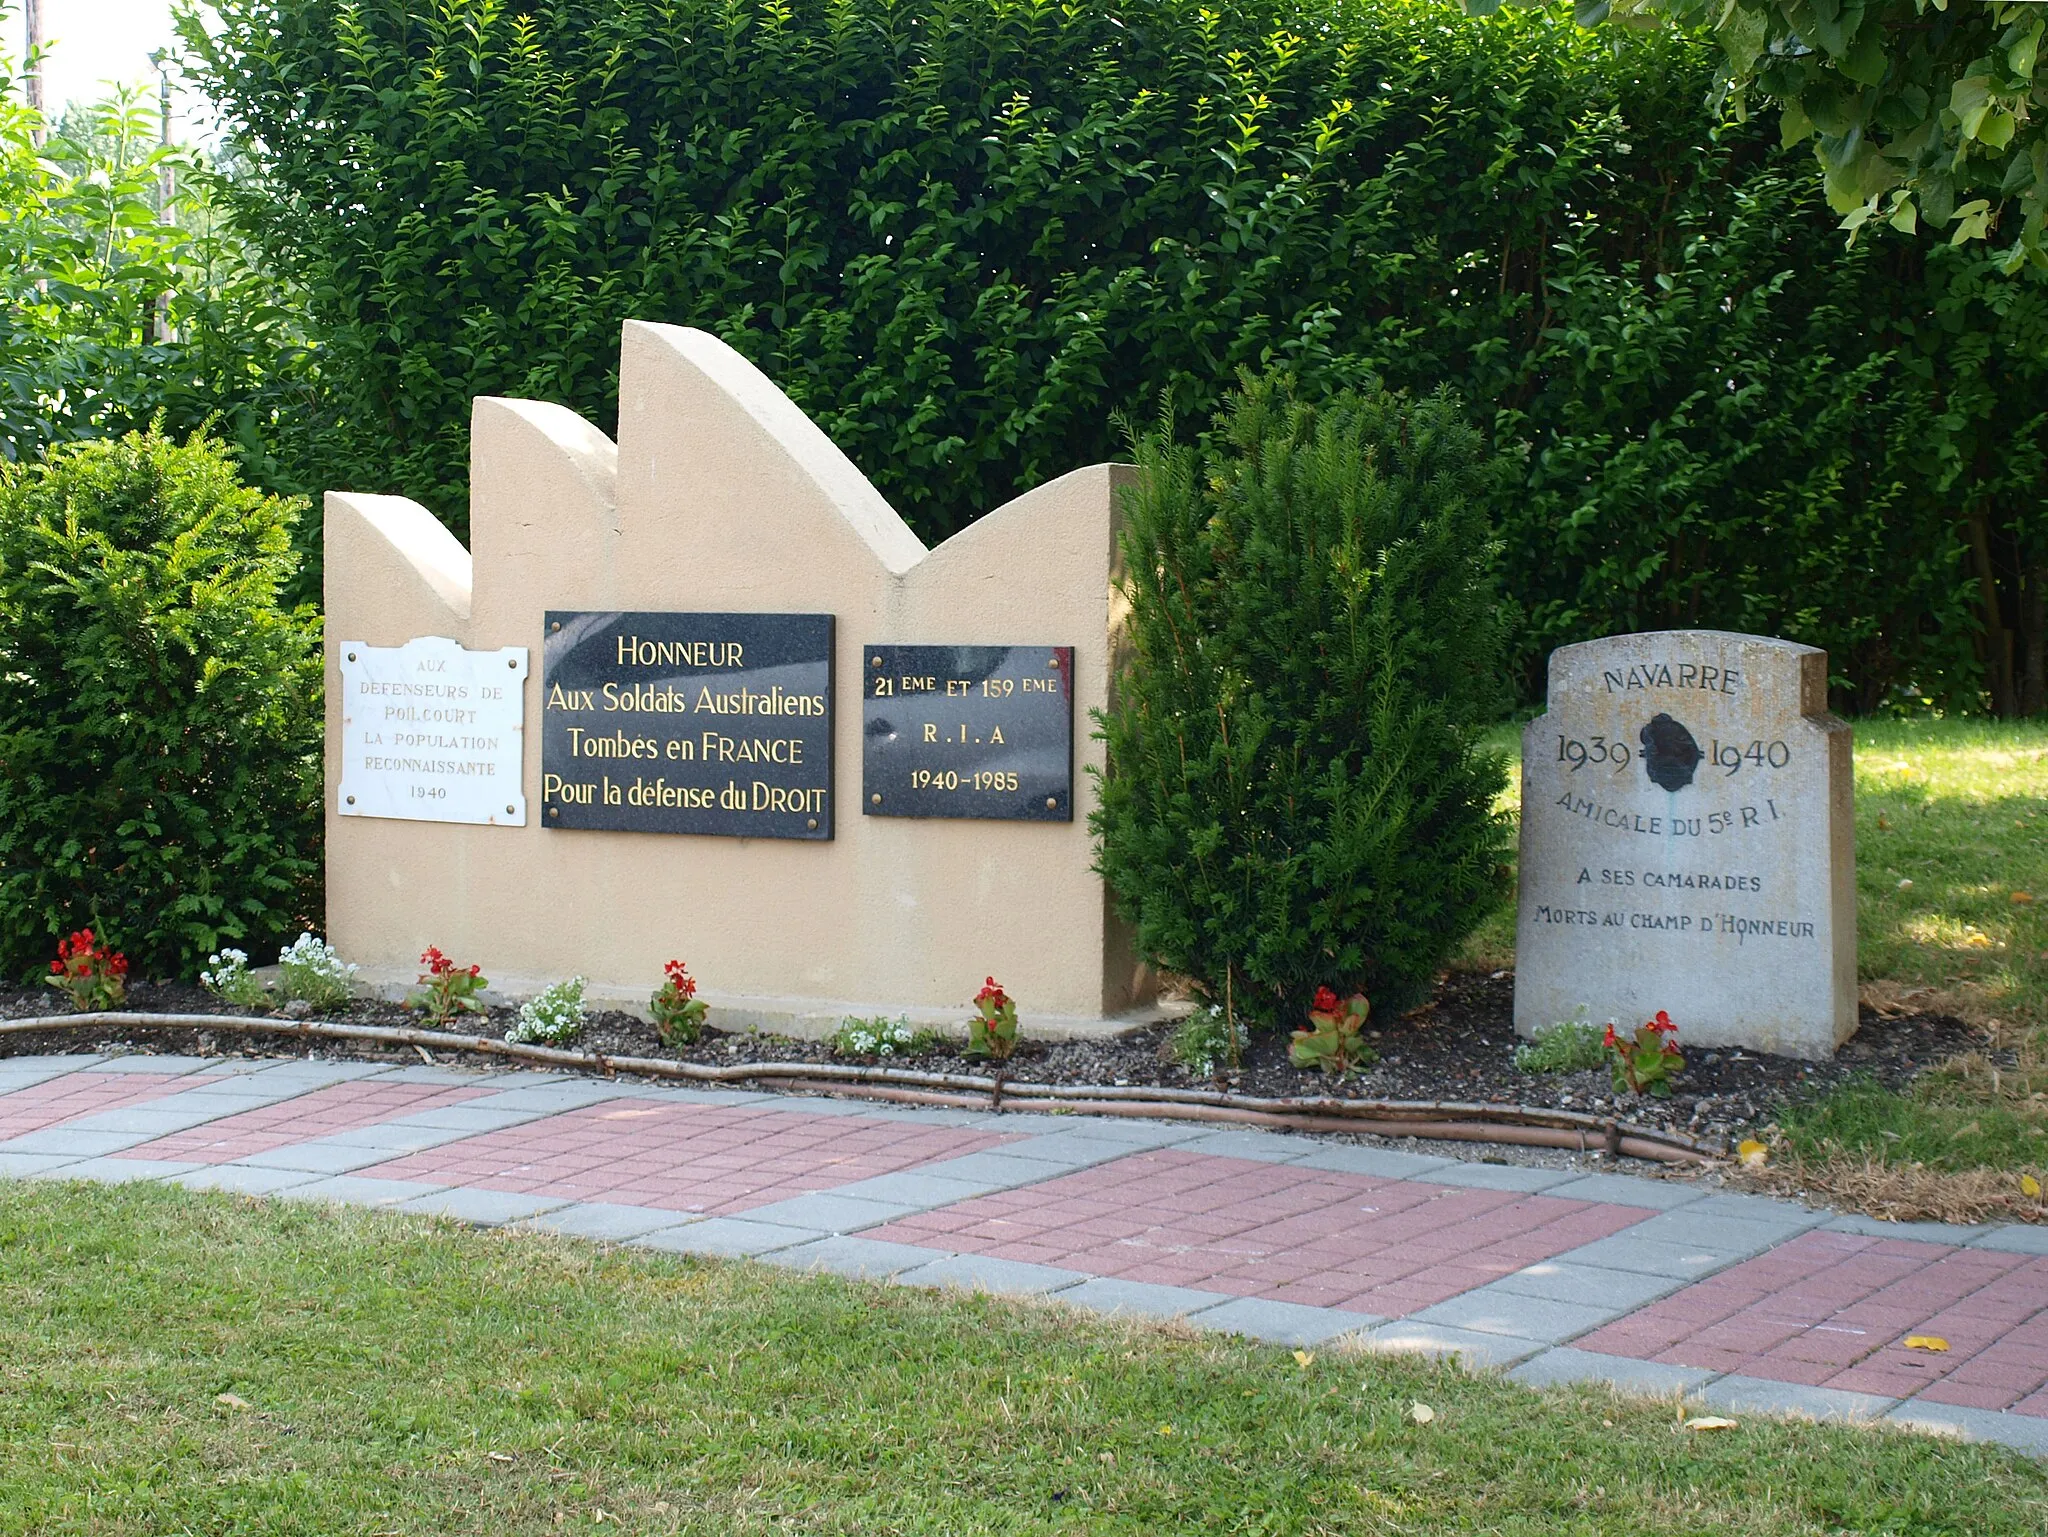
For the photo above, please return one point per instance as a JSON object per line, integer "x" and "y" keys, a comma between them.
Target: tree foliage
{"x": 159, "y": 707}
{"x": 961, "y": 235}
{"x": 1294, "y": 796}
{"x": 125, "y": 296}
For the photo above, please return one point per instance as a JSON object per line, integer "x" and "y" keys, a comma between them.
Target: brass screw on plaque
{"x": 351, "y": 800}
{"x": 511, "y": 661}
{"x": 1052, "y": 803}
{"x": 511, "y": 811}
{"x": 556, "y": 625}
{"x": 812, "y": 824}
{"x": 878, "y": 661}
{"x": 1052, "y": 661}
{"x": 553, "y": 812}
{"x": 875, "y": 800}
{"x": 351, "y": 656}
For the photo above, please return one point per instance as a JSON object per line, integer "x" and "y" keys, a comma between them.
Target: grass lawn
{"x": 182, "y": 1363}
{"x": 1952, "y": 916}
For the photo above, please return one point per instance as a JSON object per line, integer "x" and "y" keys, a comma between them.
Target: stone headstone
{"x": 706, "y": 594}
{"x": 1688, "y": 844}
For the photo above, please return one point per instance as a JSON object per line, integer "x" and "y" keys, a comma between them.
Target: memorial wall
{"x": 618, "y": 727}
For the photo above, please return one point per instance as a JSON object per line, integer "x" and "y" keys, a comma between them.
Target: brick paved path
{"x": 1657, "y": 1286}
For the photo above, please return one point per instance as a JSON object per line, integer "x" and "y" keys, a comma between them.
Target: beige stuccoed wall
{"x": 722, "y": 495}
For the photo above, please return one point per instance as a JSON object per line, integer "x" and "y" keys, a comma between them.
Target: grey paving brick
{"x": 154, "y": 1120}
{"x": 829, "y": 1212}
{"x": 20, "y": 1165}
{"x": 446, "y": 1077}
{"x": 1134, "y": 1131}
{"x": 725, "y": 1097}
{"x": 235, "y": 1178}
{"x": 1139, "y": 1299}
{"x": 2014, "y": 1239}
{"x": 319, "y": 1073}
{"x": 930, "y": 1115}
{"x": 1566, "y": 1281}
{"x": 1650, "y": 1379}
{"x": 1470, "y": 1346}
{"x": 864, "y": 1259}
{"x": 915, "y": 1190}
{"x": 39, "y": 1068}
{"x": 1920, "y": 1232}
{"x": 1487, "y": 1310}
{"x": 2024, "y": 1432}
{"x": 999, "y": 1168}
{"x": 165, "y": 1064}
{"x": 391, "y": 1137}
{"x": 245, "y": 1089}
{"x": 72, "y": 1141}
{"x": 1758, "y": 1208}
{"x": 724, "y": 1237}
{"x": 551, "y": 1100}
{"x": 1379, "y": 1162}
{"x": 1265, "y": 1146}
{"x": 116, "y": 1171}
{"x": 1692, "y": 1226}
{"x": 606, "y": 1221}
{"x": 1759, "y": 1395}
{"x": 1077, "y": 1150}
{"x": 824, "y": 1104}
{"x": 1648, "y": 1256}
{"x": 1630, "y": 1190}
{"x": 316, "y": 1158}
{"x": 470, "y": 1119}
{"x": 483, "y": 1208}
{"x": 1282, "y": 1323}
{"x": 1498, "y": 1176}
{"x": 978, "y": 1272}
{"x": 356, "y": 1190}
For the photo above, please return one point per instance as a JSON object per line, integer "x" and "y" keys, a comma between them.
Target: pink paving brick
{"x": 341, "y": 1107}
{"x": 57, "y": 1100}
{"x": 1267, "y": 1230}
{"x": 713, "y": 1159}
{"x": 1834, "y": 1310}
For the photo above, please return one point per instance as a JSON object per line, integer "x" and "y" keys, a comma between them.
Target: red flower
{"x": 117, "y": 963}
{"x": 1610, "y": 1040}
{"x": 56, "y": 968}
{"x": 1662, "y": 1023}
{"x": 991, "y": 992}
{"x": 1326, "y": 1002}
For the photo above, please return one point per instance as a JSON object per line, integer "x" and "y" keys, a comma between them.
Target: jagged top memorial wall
{"x": 701, "y": 640}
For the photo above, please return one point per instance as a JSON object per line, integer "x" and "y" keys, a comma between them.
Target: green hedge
{"x": 962, "y": 232}
{"x": 159, "y": 708}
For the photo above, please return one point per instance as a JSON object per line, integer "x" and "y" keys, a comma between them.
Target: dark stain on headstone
{"x": 1669, "y": 752}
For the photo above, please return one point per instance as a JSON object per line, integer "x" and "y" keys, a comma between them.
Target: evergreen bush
{"x": 1294, "y": 795}
{"x": 160, "y": 709}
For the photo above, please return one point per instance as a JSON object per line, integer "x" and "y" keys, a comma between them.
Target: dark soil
{"x": 1460, "y": 1047}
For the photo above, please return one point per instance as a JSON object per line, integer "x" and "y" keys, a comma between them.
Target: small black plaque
{"x": 968, "y": 731}
{"x": 688, "y": 723}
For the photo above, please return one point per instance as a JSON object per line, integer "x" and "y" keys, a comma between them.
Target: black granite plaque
{"x": 688, "y": 723}
{"x": 968, "y": 731}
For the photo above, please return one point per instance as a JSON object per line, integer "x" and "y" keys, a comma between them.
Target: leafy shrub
{"x": 228, "y": 978}
{"x": 677, "y": 1010}
{"x": 882, "y": 1037}
{"x": 91, "y": 974}
{"x": 1334, "y": 1041}
{"x": 1203, "y": 1042}
{"x": 961, "y": 236}
{"x": 1646, "y": 1060}
{"x": 310, "y": 971}
{"x": 554, "y": 1017}
{"x": 160, "y": 709}
{"x": 992, "y": 1032}
{"x": 447, "y": 991}
{"x": 1294, "y": 791}
{"x": 1569, "y": 1046}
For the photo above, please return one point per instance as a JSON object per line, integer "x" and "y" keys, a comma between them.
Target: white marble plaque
{"x": 1688, "y": 844}
{"x": 431, "y": 732}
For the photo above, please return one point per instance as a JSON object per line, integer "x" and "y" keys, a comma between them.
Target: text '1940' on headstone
{"x": 968, "y": 731}
{"x": 688, "y": 723}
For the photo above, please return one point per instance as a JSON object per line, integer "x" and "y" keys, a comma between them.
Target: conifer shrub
{"x": 1294, "y": 795}
{"x": 160, "y": 707}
